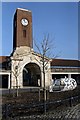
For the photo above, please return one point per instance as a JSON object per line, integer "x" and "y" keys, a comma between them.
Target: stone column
{"x": 9, "y": 81}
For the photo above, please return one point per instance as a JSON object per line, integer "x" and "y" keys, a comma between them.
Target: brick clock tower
{"x": 25, "y": 63}
{"x": 22, "y": 28}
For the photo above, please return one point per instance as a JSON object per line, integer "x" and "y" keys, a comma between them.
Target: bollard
{"x": 39, "y": 95}
{"x": 71, "y": 101}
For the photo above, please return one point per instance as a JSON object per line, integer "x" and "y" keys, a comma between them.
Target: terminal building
{"x": 23, "y": 68}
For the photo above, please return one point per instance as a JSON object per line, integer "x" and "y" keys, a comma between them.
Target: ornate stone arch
{"x": 31, "y": 75}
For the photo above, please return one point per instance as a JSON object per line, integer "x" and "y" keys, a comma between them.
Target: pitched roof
{"x": 3, "y": 59}
{"x": 65, "y": 62}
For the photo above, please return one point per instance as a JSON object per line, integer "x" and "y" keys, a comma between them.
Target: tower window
{"x": 24, "y": 33}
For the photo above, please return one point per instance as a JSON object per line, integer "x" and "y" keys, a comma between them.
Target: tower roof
{"x": 23, "y": 9}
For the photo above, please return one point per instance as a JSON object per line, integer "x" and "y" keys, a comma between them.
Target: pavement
{"x": 74, "y": 112}
{"x": 65, "y": 113}
{"x": 69, "y": 113}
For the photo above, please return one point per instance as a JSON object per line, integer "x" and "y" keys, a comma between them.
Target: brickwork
{"x": 19, "y": 39}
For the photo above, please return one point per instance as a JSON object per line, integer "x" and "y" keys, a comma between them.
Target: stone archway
{"x": 31, "y": 75}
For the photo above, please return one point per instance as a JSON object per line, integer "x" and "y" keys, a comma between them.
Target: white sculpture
{"x": 66, "y": 83}
{"x": 70, "y": 83}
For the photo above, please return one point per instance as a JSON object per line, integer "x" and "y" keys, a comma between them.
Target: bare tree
{"x": 16, "y": 72}
{"x": 44, "y": 48}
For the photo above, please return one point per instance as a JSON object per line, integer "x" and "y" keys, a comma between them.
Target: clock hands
{"x": 24, "y": 22}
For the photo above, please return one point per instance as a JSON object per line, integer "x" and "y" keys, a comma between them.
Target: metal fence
{"x": 16, "y": 110}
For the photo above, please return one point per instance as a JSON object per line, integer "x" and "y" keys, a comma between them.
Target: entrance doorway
{"x": 3, "y": 81}
{"x": 76, "y": 77}
{"x": 31, "y": 75}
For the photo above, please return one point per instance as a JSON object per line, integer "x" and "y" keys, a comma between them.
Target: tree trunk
{"x": 16, "y": 87}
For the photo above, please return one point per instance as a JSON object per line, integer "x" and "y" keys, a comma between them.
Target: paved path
{"x": 69, "y": 113}
{"x": 74, "y": 112}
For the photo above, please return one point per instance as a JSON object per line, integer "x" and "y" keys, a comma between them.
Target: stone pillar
{"x": 9, "y": 81}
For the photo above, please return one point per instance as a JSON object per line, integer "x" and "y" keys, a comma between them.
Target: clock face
{"x": 24, "y": 22}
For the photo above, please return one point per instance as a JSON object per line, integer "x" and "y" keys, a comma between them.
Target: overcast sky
{"x": 58, "y": 19}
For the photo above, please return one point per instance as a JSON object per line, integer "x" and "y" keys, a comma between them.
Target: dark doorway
{"x": 31, "y": 75}
{"x": 76, "y": 77}
{"x": 3, "y": 81}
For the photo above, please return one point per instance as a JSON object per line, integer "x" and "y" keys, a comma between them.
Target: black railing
{"x": 13, "y": 110}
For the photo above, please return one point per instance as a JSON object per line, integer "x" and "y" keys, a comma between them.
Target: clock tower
{"x": 22, "y": 28}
